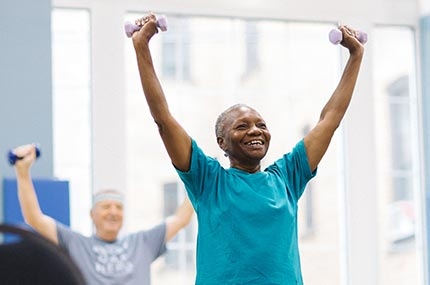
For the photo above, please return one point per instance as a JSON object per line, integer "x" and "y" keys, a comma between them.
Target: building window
{"x": 397, "y": 152}
{"x": 176, "y": 50}
{"x": 252, "y": 59}
{"x": 181, "y": 253}
{"x": 72, "y": 109}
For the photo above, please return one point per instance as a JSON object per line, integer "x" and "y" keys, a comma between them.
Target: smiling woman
{"x": 252, "y": 61}
{"x": 242, "y": 206}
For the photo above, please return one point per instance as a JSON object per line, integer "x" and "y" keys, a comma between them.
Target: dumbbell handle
{"x": 12, "y": 157}
{"x": 335, "y": 36}
{"x": 130, "y": 28}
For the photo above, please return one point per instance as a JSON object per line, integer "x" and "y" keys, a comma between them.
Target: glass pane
{"x": 394, "y": 76}
{"x": 72, "y": 109}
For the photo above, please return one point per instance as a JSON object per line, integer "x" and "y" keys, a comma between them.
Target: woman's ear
{"x": 220, "y": 142}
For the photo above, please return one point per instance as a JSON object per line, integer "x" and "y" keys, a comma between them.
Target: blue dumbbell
{"x": 12, "y": 157}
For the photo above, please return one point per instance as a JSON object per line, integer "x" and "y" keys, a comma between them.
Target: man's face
{"x": 107, "y": 216}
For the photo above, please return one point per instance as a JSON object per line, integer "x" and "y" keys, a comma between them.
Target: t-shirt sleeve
{"x": 65, "y": 235}
{"x": 196, "y": 178}
{"x": 154, "y": 240}
{"x": 297, "y": 170}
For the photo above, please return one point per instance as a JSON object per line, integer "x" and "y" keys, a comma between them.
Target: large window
{"x": 175, "y": 56}
{"x": 397, "y": 155}
{"x": 181, "y": 249}
{"x": 72, "y": 109}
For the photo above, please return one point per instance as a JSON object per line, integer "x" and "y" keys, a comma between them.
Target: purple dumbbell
{"x": 130, "y": 28}
{"x": 335, "y": 36}
{"x": 12, "y": 157}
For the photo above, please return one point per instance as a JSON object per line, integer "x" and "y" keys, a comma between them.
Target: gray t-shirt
{"x": 126, "y": 261}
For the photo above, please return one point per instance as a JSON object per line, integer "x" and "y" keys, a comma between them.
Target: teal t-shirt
{"x": 247, "y": 223}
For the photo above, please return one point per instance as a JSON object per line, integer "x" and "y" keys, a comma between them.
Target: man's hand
{"x": 27, "y": 155}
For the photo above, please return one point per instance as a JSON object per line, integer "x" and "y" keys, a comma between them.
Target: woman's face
{"x": 245, "y": 138}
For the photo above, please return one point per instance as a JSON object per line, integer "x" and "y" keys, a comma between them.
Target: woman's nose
{"x": 254, "y": 130}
